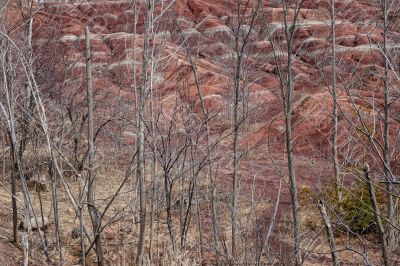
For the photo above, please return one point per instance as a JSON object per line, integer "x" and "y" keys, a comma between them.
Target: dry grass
{"x": 120, "y": 236}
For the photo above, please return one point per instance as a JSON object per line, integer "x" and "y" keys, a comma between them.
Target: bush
{"x": 356, "y": 207}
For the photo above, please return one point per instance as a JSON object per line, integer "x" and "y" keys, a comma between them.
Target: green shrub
{"x": 356, "y": 211}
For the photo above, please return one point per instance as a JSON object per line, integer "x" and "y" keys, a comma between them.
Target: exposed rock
{"x": 206, "y": 28}
{"x": 42, "y": 223}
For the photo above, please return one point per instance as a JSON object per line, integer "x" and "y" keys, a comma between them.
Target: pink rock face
{"x": 206, "y": 29}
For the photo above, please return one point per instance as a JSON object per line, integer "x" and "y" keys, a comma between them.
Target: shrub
{"x": 356, "y": 208}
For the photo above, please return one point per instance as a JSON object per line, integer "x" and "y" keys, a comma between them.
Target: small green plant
{"x": 355, "y": 208}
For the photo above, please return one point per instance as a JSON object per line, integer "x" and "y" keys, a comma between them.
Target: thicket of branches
{"x": 61, "y": 137}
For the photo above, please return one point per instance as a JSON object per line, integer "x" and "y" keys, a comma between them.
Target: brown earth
{"x": 10, "y": 255}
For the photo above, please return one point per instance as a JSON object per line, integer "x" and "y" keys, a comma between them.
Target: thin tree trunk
{"x": 26, "y": 113}
{"x": 264, "y": 242}
{"x": 17, "y": 166}
{"x": 235, "y": 131}
{"x": 235, "y": 137}
{"x": 290, "y": 160}
{"x": 187, "y": 203}
{"x": 154, "y": 189}
{"x": 42, "y": 217}
{"x": 210, "y": 174}
{"x": 290, "y": 29}
{"x": 54, "y": 200}
{"x": 329, "y": 232}
{"x": 25, "y": 246}
{"x": 167, "y": 188}
{"x": 81, "y": 232}
{"x": 241, "y": 41}
{"x": 154, "y": 180}
{"x": 3, "y": 144}
{"x": 377, "y": 215}
{"x": 338, "y": 181}
{"x": 198, "y": 220}
{"x": 91, "y": 177}
{"x": 13, "y": 199}
{"x": 16, "y": 162}
{"x": 181, "y": 212}
{"x": 141, "y": 131}
{"x": 387, "y": 172}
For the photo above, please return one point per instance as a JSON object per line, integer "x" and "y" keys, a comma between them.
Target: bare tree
{"x": 336, "y": 168}
{"x": 210, "y": 165}
{"x": 385, "y": 8}
{"x": 14, "y": 55}
{"x": 4, "y": 58}
{"x": 284, "y": 72}
{"x": 94, "y": 215}
{"x": 377, "y": 215}
{"x": 143, "y": 94}
{"x": 329, "y": 232}
{"x": 240, "y": 43}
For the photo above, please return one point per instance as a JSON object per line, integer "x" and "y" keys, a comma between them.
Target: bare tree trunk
{"x": 81, "y": 232}
{"x": 4, "y": 135}
{"x": 91, "y": 175}
{"x": 8, "y": 111}
{"x": 13, "y": 199}
{"x": 264, "y": 242}
{"x": 329, "y": 232}
{"x": 13, "y": 162}
{"x": 338, "y": 181}
{"x": 290, "y": 30}
{"x": 378, "y": 220}
{"x": 240, "y": 43}
{"x": 3, "y": 144}
{"x": 24, "y": 126}
{"x": 154, "y": 179}
{"x": 17, "y": 165}
{"x": 292, "y": 175}
{"x": 182, "y": 228}
{"x": 154, "y": 189}
{"x": 26, "y": 113}
{"x": 235, "y": 136}
{"x": 54, "y": 200}
{"x": 387, "y": 172}
{"x": 141, "y": 132}
{"x": 42, "y": 216}
{"x": 167, "y": 188}
{"x": 199, "y": 227}
{"x": 186, "y": 202}
{"x": 210, "y": 166}
{"x": 25, "y": 246}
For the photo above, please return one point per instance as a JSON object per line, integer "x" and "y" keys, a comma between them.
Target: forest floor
{"x": 120, "y": 236}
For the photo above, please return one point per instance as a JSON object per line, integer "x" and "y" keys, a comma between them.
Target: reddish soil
{"x": 59, "y": 35}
